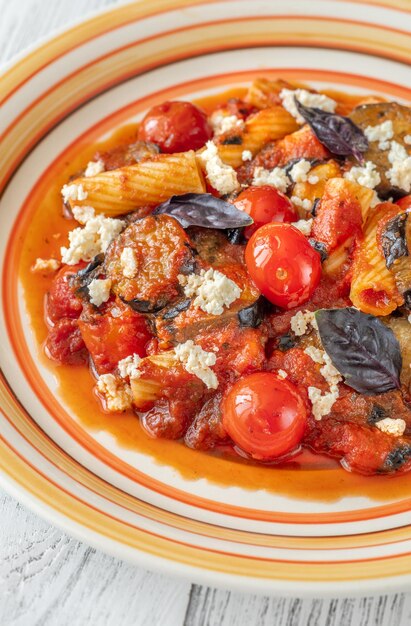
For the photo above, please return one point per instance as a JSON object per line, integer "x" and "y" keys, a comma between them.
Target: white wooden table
{"x": 49, "y": 579}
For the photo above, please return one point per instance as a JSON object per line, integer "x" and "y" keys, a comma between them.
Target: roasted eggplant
{"x": 396, "y": 246}
{"x": 373, "y": 115}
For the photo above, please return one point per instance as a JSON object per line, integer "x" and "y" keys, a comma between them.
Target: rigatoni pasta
{"x": 148, "y": 182}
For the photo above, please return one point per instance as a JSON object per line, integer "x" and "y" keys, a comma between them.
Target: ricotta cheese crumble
{"x": 399, "y": 174}
{"x": 99, "y": 291}
{"x": 197, "y": 362}
{"x": 220, "y": 175}
{"x": 304, "y": 226}
{"x": 306, "y": 98}
{"x": 367, "y": 175}
{"x": 299, "y": 171}
{"x": 93, "y": 168}
{"x": 45, "y": 266}
{"x": 116, "y": 393}
{"x": 128, "y": 367}
{"x": 381, "y": 133}
{"x": 212, "y": 290}
{"x": 86, "y": 243}
{"x": 301, "y": 322}
{"x": 391, "y": 426}
{"x": 129, "y": 262}
{"x": 73, "y": 192}
{"x": 276, "y": 177}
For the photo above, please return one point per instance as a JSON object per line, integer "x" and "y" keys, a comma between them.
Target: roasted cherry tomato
{"x": 65, "y": 344}
{"x": 405, "y": 202}
{"x": 62, "y": 300}
{"x": 176, "y": 127}
{"x": 264, "y": 415}
{"x": 283, "y": 265}
{"x": 265, "y": 204}
{"x": 113, "y": 335}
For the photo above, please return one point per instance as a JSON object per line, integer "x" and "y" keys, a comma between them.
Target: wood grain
{"x": 49, "y": 579}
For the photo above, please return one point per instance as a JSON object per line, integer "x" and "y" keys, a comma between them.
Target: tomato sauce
{"x": 305, "y": 476}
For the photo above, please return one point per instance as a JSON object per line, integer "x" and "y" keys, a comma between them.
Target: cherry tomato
{"x": 176, "y": 127}
{"x": 264, "y": 415}
{"x": 404, "y": 203}
{"x": 62, "y": 300}
{"x": 65, "y": 344}
{"x": 265, "y": 204}
{"x": 283, "y": 265}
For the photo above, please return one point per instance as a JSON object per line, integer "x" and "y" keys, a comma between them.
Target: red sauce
{"x": 305, "y": 476}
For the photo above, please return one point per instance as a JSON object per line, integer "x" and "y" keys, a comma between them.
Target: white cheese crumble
{"x": 400, "y": 173}
{"x": 301, "y": 322}
{"x": 197, "y": 361}
{"x": 224, "y": 123}
{"x": 83, "y": 213}
{"x": 299, "y": 171}
{"x": 213, "y": 290}
{"x": 246, "y": 155}
{"x": 322, "y": 404}
{"x": 313, "y": 179}
{"x": 407, "y": 139}
{"x": 381, "y": 133}
{"x": 304, "y": 226}
{"x": 73, "y": 192}
{"x": 305, "y": 204}
{"x": 276, "y": 177}
{"x": 391, "y": 426}
{"x": 129, "y": 262}
{"x": 94, "y": 238}
{"x": 220, "y": 175}
{"x": 315, "y": 354}
{"x": 94, "y": 167}
{"x": 282, "y": 374}
{"x": 128, "y": 367}
{"x": 45, "y": 266}
{"x": 99, "y": 290}
{"x": 308, "y": 99}
{"x": 367, "y": 176}
{"x": 116, "y": 393}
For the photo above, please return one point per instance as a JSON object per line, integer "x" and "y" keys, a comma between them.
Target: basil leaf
{"x": 203, "y": 209}
{"x": 339, "y": 134}
{"x": 364, "y": 350}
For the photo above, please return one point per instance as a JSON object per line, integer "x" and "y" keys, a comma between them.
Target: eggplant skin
{"x": 393, "y": 239}
{"x": 373, "y": 115}
{"x": 396, "y": 459}
{"x": 253, "y": 315}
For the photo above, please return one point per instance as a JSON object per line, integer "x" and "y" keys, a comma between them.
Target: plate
{"x": 75, "y": 89}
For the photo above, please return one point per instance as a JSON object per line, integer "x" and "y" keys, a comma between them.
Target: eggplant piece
{"x": 178, "y": 322}
{"x": 84, "y": 277}
{"x": 162, "y": 250}
{"x": 402, "y": 330}
{"x": 253, "y": 315}
{"x": 396, "y": 246}
{"x": 373, "y": 115}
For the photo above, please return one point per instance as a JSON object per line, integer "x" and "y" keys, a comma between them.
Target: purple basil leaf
{"x": 339, "y": 134}
{"x": 203, "y": 209}
{"x": 364, "y": 350}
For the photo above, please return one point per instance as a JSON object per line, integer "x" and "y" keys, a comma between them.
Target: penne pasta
{"x": 148, "y": 388}
{"x": 266, "y": 125}
{"x": 373, "y": 287}
{"x": 264, "y": 93}
{"x": 337, "y": 258}
{"x": 148, "y": 182}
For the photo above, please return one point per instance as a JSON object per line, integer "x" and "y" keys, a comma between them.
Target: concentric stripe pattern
{"x": 109, "y": 70}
